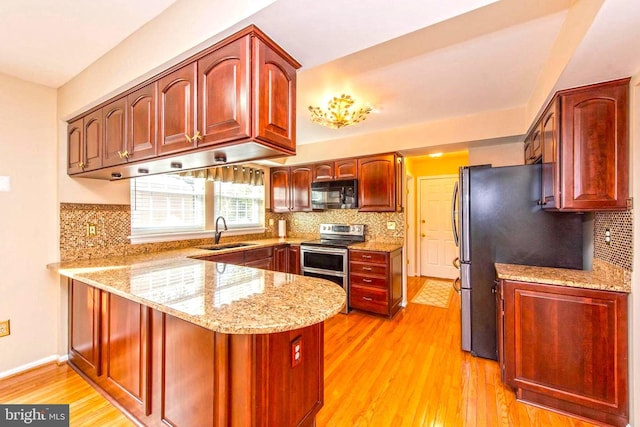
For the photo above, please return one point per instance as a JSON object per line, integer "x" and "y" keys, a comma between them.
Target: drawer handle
{"x": 367, "y": 298}
{"x": 366, "y": 268}
{"x": 366, "y": 280}
{"x": 366, "y": 256}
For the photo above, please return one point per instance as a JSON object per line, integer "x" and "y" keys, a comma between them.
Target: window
{"x": 184, "y": 206}
{"x": 241, "y": 205}
{"x": 167, "y": 203}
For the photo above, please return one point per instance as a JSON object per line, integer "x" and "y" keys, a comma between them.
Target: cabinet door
{"x": 223, "y": 88}
{"x": 294, "y": 259}
{"x": 75, "y": 150}
{"x": 280, "y": 191}
{"x": 114, "y": 117}
{"x": 274, "y": 86}
{"x": 595, "y": 147}
{"x": 280, "y": 261}
{"x": 126, "y": 345}
{"x": 84, "y": 341}
{"x": 142, "y": 139}
{"x": 301, "y": 189}
{"x": 346, "y": 169}
{"x": 176, "y": 110}
{"x": 323, "y": 171}
{"x": 550, "y": 156}
{"x": 567, "y": 344}
{"x": 376, "y": 184}
{"x": 93, "y": 140}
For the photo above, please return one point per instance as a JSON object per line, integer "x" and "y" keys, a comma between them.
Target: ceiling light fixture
{"x": 338, "y": 113}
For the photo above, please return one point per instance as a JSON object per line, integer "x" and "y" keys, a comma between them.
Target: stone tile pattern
{"x": 376, "y": 222}
{"x": 620, "y": 251}
{"x": 114, "y": 226}
{"x": 604, "y": 276}
{"x": 221, "y": 297}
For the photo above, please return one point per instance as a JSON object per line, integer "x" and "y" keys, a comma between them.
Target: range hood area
{"x": 232, "y": 102}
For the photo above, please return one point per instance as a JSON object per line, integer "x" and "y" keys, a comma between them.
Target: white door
{"x": 437, "y": 248}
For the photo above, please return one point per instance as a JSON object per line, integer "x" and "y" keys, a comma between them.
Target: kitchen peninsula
{"x": 172, "y": 338}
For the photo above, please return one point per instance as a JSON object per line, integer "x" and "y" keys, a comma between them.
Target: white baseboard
{"x": 53, "y": 358}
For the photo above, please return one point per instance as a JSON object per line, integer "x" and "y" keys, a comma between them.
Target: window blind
{"x": 167, "y": 203}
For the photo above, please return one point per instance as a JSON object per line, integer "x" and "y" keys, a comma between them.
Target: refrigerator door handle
{"x": 453, "y": 214}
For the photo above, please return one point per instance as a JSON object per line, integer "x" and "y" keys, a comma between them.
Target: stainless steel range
{"x": 328, "y": 257}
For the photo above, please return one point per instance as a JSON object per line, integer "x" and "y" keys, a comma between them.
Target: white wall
{"x": 29, "y": 293}
{"x": 497, "y": 155}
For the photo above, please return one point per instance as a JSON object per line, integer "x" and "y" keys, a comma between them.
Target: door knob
{"x": 423, "y": 235}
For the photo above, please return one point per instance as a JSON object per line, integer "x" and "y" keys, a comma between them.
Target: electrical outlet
{"x": 4, "y": 328}
{"x": 92, "y": 230}
{"x": 607, "y": 236}
{"x": 391, "y": 225}
{"x": 271, "y": 221}
{"x": 296, "y": 352}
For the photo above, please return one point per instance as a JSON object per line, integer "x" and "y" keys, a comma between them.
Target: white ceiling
{"x": 413, "y": 60}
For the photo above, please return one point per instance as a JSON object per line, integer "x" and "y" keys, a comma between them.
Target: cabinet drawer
{"x": 368, "y": 256}
{"x": 368, "y": 299}
{"x": 376, "y": 282}
{"x": 254, "y": 254}
{"x": 368, "y": 269}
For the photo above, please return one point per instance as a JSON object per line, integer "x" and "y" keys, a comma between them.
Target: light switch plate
{"x": 5, "y": 183}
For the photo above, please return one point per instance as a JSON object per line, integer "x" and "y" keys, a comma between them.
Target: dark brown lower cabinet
{"x": 566, "y": 349}
{"x": 167, "y": 371}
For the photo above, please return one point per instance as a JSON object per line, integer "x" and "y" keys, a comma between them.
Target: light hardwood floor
{"x": 408, "y": 371}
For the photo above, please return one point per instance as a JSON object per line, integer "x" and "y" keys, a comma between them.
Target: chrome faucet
{"x": 216, "y": 238}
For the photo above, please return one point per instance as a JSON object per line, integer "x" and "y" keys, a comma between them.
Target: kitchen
{"x": 40, "y": 222}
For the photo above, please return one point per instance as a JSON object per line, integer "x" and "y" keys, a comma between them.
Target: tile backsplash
{"x": 113, "y": 226}
{"x": 620, "y": 251}
{"x": 300, "y": 224}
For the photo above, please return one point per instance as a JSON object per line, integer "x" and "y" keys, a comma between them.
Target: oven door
{"x": 322, "y": 260}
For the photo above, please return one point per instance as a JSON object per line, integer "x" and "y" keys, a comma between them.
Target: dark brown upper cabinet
{"x": 223, "y": 88}
{"x": 377, "y": 183}
{"x": 177, "y": 111}
{"x": 333, "y": 170}
{"x": 114, "y": 117}
{"x": 585, "y": 148}
{"x": 274, "y": 94}
{"x": 142, "y": 112}
{"x": 85, "y": 143}
{"x": 291, "y": 189}
{"x": 232, "y": 102}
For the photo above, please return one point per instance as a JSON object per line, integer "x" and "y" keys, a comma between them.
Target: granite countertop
{"x": 221, "y": 297}
{"x": 376, "y": 246}
{"x": 603, "y": 277}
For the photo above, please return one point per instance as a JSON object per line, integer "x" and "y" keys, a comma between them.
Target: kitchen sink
{"x": 225, "y": 246}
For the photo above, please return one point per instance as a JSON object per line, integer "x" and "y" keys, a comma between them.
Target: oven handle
{"x": 335, "y": 251}
{"x": 321, "y": 271}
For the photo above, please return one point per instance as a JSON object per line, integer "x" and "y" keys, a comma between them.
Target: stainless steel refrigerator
{"x": 499, "y": 219}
